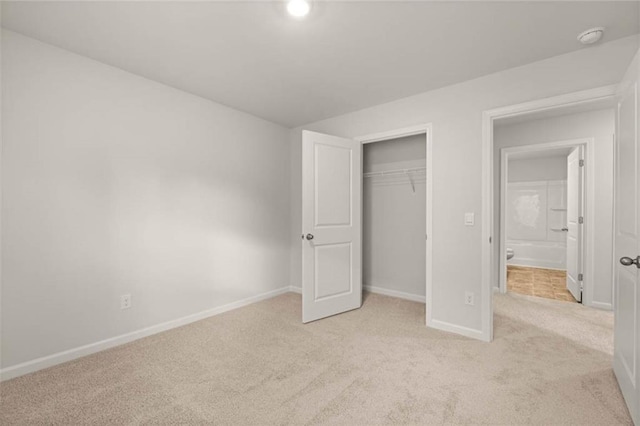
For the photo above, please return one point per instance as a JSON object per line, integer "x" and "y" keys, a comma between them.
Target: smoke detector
{"x": 591, "y": 36}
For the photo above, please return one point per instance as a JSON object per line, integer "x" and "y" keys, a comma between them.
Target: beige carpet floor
{"x": 550, "y": 363}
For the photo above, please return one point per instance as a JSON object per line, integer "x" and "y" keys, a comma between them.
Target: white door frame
{"x": 425, "y": 129}
{"x": 588, "y": 240}
{"x": 488, "y": 116}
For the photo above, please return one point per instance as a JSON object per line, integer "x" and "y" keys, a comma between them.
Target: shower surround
{"x": 536, "y": 223}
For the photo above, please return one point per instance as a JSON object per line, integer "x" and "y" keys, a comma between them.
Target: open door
{"x": 575, "y": 180}
{"x": 331, "y": 225}
{"x": 627, "y": 253}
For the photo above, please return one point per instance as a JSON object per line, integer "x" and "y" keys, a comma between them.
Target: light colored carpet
{"x": 550, "y": 363}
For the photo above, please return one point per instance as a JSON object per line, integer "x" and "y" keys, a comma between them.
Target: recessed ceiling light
{"x": 591, "y": 36}
{"x": 298, "y": 8}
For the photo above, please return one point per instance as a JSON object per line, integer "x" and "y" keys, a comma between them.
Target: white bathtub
{"x": 538, "y": 254}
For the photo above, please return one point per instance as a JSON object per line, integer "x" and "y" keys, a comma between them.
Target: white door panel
{"x": 333, "y": 264}
{"x": 332, "y": 230}
{"x": 627, "y": 244}
{"x": 574, "y": 225}
{"x": 333, "y": 170}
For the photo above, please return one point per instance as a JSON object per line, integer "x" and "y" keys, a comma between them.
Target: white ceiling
{"x": 345, "y": 56}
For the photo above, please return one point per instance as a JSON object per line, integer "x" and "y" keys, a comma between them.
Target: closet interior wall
{"x": 394, "y": 216}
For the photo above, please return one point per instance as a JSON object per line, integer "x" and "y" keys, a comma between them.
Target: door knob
{"x": 627, "y": 261}
{"x": 309, "y": 237}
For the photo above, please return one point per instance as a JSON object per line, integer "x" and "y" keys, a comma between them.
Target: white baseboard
{"x": 394, "y": 293}
{"x": 71, "y": 354}
{"x": 458, "y": 329}
{"x": 378, "y": 290}
{"x": 601, "y": 305}
{"x": 295, "y": 289}
{"x": 439, "y": 325}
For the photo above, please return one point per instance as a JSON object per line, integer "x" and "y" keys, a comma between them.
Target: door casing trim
{"x": 488, "y": 117}
{"x": 427, "y": 130}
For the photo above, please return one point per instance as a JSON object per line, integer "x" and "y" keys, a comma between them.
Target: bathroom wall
{"x": 533, "y": 169}
{"x": 394, "y": 219}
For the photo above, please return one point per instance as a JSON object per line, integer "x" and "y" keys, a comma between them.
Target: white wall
{"x": 533, "y": 169}
{"x": 115, "y": 184}
{"x": 456, "y": 114}
{"x": 394, "y": 217}
{"x": 599, "y": 125}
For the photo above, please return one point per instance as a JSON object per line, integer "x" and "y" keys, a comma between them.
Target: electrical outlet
{"x": 125, "y": 301}
{"x": 469, "y": 298}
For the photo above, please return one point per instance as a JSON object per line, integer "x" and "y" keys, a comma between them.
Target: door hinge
{"x": 581, "y": 220}
{"x": 580, "y": 278}
{"x": 581, "y": 163}
{"x": 490, "y": 240}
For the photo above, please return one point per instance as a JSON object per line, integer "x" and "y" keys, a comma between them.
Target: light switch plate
{"x": 469, "y": 219}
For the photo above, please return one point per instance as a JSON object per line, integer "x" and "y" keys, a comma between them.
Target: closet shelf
{"x": 399, "y": 172}
{"x": 394, "y": 172}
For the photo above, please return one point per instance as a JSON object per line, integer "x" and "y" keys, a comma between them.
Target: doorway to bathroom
{"x": 554, "y": 198}
{"x": 543, "y": 231}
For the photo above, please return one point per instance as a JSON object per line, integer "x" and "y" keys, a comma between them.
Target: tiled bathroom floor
{"x": 548, "y": 283}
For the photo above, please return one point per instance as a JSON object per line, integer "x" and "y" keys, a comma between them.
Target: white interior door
{"x": 331, "y": 225}
{"x": 575, "y": 179}
{"x": 627, "y": 249}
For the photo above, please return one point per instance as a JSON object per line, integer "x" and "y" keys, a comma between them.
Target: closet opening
{"x": 394, "y": 217}
{"x": 366, "y": 220}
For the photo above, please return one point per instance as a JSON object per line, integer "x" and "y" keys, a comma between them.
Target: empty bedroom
{"x": 319, "y": 212}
